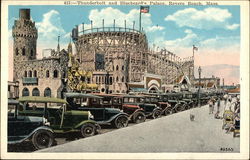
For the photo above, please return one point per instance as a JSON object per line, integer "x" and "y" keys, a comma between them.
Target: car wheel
{"x": 42, "y": 139}
{"x": 139, "y": 117}
{"x": 88, "y": 130}
{"x": 178, "y": 108}
{"x": 187, "y": 107}
{"x": 168, "y": 111}
{"x": 156, "y": 113}
{"x": 121, "y": 121}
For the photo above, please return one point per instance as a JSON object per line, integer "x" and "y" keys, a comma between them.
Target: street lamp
{"x": 199, "y": 94}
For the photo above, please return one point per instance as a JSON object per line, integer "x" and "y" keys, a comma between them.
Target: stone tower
{"x": 24, "y": 35}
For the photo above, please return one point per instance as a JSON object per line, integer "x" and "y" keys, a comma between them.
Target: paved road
{"x": 174, "y": 133}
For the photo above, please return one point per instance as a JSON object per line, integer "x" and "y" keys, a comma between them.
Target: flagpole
{"x": 140, "y": 19}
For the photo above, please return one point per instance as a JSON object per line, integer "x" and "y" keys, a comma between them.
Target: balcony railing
{"x": 30, "y": 80}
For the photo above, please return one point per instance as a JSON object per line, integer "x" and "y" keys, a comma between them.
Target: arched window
{"x": 110, "y": 80}
{"x": 16, "y": 51}
{"x": 117, "y": 67}
{"x": 23, "y": 51}
{"x": 31, "y": 52}
{"x": 35, "y": 92}
{"x": 25, "y": 92}
{"x": 113, "y": 68}
{"x": 102, "y": 80}
{"x": 47, "y": 73}
{"x": 47, "y": 92}
{"x": 103, "y": 90}
{"x": 123, "y": 68}
{"x": 122, "y": 78}
{"x": 35, "y": 73}
{"x": 30, "y": 73}
{"x": 99, "y": 80}
{"x": 117, "y": 79}
{"x": 96, "y": 79}
{"x": 55, "y": 74}
{"x": 25, "y": 74}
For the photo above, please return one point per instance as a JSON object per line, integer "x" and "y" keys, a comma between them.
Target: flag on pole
{"x": 144, "y": 9}
{"x": 195, "y": 48}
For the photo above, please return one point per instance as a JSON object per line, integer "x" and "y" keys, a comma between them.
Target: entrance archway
{"x": 153, "y": 89}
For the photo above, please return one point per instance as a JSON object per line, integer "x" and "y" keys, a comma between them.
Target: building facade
{"x": 121, "y": 60}
{"x": 36, "y": 77}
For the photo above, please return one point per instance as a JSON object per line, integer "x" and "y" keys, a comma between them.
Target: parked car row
{"x": 39, "y": 119}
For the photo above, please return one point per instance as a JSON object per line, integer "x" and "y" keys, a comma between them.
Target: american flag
{"x": 195, "y": 48}
{"x": 144, "y": 9}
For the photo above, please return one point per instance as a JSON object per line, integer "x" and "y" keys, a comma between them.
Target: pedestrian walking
{"x": 213, "y": 100}
{"x": 230, "y": 103}
{"x": 210, "y": 104}
{"x": 218, "y": 105}
{"x": 225, "y": 97}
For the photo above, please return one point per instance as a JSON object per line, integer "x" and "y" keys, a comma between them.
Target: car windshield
{"x": 133, "y": 100}
{"x": 117, "y": 101}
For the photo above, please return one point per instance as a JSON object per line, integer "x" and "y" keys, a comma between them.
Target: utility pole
{"x": 199, "y": 91}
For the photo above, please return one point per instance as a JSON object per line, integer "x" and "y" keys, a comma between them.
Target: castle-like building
{"x": 36, "y": 77}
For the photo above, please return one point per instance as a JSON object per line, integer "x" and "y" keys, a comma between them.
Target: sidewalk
{"x": 174, "y": 133}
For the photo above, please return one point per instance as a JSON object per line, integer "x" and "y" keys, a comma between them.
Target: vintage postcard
{"x": 125, "y": 79}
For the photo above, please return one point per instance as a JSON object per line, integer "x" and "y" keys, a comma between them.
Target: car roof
{"x": 105, "y": 95}
{"x": 130, "y": 96}
{"x": 13, "y": 101}
{"x": 41, "y": 99}
{"x": 81, "y": 95}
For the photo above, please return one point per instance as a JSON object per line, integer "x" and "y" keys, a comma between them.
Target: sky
{"x": 215, "y": 30}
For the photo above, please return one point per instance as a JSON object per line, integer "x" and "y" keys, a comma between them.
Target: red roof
{"x": 236, "y": 90}
{"x": 210, "y": 84}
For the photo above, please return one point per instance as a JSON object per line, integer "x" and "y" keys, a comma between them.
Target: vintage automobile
{"x": 155, "y": 99}
{"x": 108, "y": 101}
{"x": 136, "y": 113}
{"x": 101, "y": 114}
{"x": 174, "y": 99}
{"x": 132, "y": 102}
{"x": 24, "y": 128}
{"x": 190, "y": 99}
{"x": 61, "y": 118}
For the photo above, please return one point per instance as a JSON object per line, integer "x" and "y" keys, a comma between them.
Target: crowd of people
{"x": 231, "y": 111}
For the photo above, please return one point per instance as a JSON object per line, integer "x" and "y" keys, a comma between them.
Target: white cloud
{"x": 155, "y": 28}
{"x": 188, "y": 40}
{"x": 208, "y": 18}
{"x": 50, "y": 27}
{"x": 219, "y": 42}
{"x": 232, "y": 27}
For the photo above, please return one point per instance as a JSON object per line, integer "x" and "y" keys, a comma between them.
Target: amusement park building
{"x": 107, "y": 59}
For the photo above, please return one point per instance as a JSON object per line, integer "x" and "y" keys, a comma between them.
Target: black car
{"x": 150, "y": 109}
{"x": 101, "y": 114}
{"x": 28, "y": 128}
{"x": 175, "y": 100}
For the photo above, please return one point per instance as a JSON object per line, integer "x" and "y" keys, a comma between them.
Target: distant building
{"x": 208, "y": 83}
